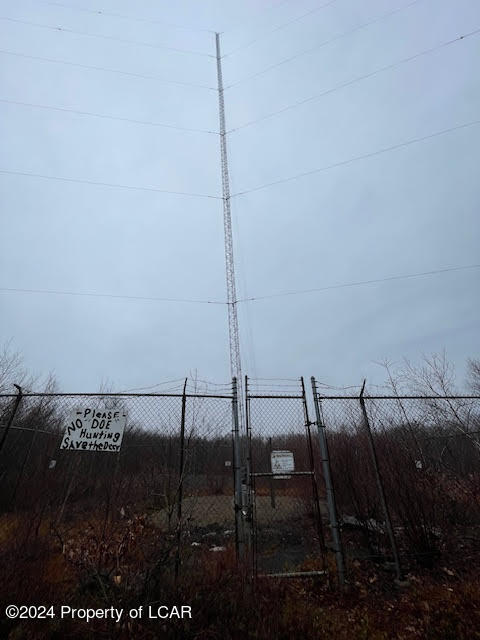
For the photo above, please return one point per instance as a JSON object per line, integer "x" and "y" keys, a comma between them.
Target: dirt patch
{"x": 199, "y": 511}
{"x": 204, "y": 511}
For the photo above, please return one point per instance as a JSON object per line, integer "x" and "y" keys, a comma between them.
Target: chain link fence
{"x": 405, "y": 474}
{"x": 172, "y": 476}
{"x": 387, "y": 479}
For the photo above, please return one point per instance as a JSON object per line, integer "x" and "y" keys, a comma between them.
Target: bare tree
{"x": 434, "y": 376}
{"x": 12, "y": 370}
{"x": 473, "y": 374}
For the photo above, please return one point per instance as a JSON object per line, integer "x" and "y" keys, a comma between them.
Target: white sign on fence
{"x": 91, "y": 429}
{"x": 282, "y": 462}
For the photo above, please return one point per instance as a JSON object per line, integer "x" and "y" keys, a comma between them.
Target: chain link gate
{"x": 286, "y": 511}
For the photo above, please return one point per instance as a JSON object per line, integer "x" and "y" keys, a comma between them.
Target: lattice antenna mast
{"x": 235, "y": 362}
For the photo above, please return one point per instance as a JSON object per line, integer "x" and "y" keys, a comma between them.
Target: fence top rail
{"x": 116, "y": 395}
{"x": 356, "y": 397}
{"x": 277, "y": 396}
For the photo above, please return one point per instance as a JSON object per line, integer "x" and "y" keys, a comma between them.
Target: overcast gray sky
{"x": 408, "y": 210}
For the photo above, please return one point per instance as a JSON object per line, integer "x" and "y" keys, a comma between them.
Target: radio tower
{"x": 235, "y": 362}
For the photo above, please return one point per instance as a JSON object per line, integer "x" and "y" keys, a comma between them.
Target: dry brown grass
{"x": 131, "y": 563}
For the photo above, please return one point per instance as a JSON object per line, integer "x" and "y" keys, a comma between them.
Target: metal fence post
{"x": 180, "y": 480}
{"x": 248, "y": 487}
{"x": 12, "y": 415}
{"x": 331, "y": 505}
{"x": 380, "y": 487}
{"x": 316, "y": 500}
{"x": 237, "y": 476}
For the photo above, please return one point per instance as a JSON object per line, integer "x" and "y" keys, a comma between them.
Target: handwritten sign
{"x": 282, "y": 462}
{"x": 93, "y": 429}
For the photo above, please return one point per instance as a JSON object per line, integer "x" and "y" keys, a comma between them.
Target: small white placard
{"x": 228, "y": 463}
{"x": 91, "y": 429}
{"x": 282, "y": 462}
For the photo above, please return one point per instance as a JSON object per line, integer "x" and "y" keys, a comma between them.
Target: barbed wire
{"x": 154, "y": 386}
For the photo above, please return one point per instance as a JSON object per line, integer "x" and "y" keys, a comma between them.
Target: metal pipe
{"x": 249, "y": 505}
{"x": 298, "y": 574}
{"x": 12, "y": 415}
{"x": 331, "y": 503}
{"x": 237, "y": 476}
{"x": 180, "y": 482}
{"x": 269, "y": 474}
{"x": 380, "y": 486}
{"x": 272, "y": 486}
{"x": 316, "y": 501}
